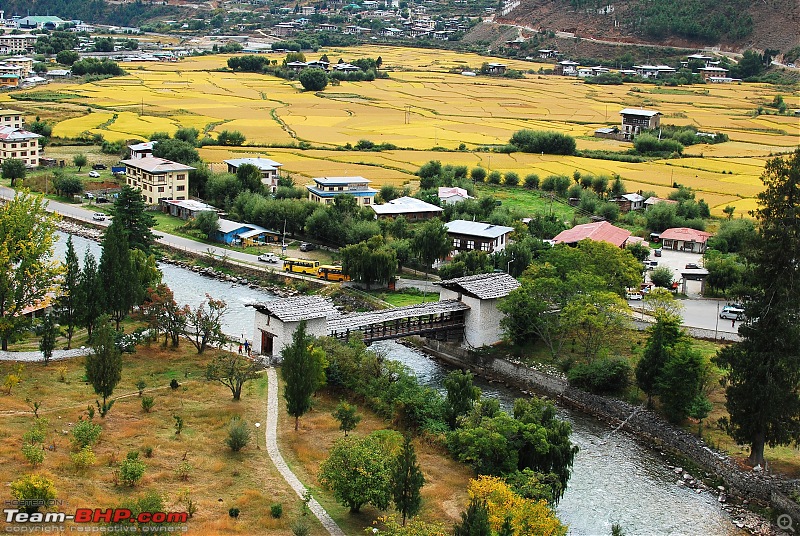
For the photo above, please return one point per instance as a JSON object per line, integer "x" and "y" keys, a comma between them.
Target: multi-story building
{"x": 478, "y": 236}
{"x": 325, "y": 189}
{"x": 17, "y": 44}
{"x": 634, "y": 121}
{"x": 268, "y": 168}
{"x": 158, "y": 178}
{"x": 11, "y": 118}
{"x": 20, "y": 144}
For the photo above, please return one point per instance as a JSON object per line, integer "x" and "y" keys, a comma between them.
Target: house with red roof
{"x": 684, "y": 239}
{"x": 600, "y": 231}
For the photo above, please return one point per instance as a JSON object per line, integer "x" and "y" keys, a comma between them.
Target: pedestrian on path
{"x": 733, "y": 323}
{"x": 240, "y": 348}
{"x": 247, "y": 347}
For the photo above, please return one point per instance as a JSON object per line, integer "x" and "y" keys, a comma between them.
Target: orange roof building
{"x": 601, "y": 231}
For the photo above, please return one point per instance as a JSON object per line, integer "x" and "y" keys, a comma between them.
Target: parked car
{"x": 99, "y": 166}
{"x": 650, "y": 265}
{"x": 99, "y": 216}
{"x": 657, "y": 252}
{"x": 269, "y": 257}
{"x": 94, "y": 174}
{"x": 692, "y": 266}
{"x": 732, "y": 314}
{"x": 88, "y": 195}
{"x": 307, "y": 246}
{"x": 633, "y": 294}
{"x": 732, "y": 306}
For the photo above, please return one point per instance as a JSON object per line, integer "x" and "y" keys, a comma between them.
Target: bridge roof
{"x": 298, "y": 308}
{"x": 359, "y": 320}
{"x": 482, "y": 286}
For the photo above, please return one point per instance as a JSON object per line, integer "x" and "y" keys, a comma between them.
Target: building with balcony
{"x": 20, "y": 144}
{"x": 269, "y": 170}
{"x": 158, "y": 178}
{"x": 325, "y": 189}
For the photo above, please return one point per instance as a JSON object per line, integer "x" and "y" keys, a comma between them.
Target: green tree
{"x": 407, "y": 481}
{"x": 347, "y": 416}
{"x": 250, "y": 177}
{"x": 431, "y": 242}
{"x": 68, "y": 302}
{"x": 47, "y": 342}
{"x": 763, "y": 380}
{"x": 90, "y": 290}
{"x": 80, "y": 160}
{"x": 27, "y": 236}
{"x": 104, "y": 364}
{"x": 130, "y": 213}
{"x": 662, "y": 338}
{"x": 729, "y": 210}
{"x": 67, "y": 185}
{"x": 597, "y": 320}
{"x": 474, "y": 521}
{"x": 67, "y": 57}
{"x": 207, "y": 222}
{"x": 13, "y": 169}
{"x": 662, "y": 276}
{"x": 681, "y": 381}
{"x": 300, "y": 371}
{"x": 230, "y": 137}
{"x": 238, "y": 434}
{"x": 116, "y": 274}
{"x": 358, "y": 471}
{"x": 313, "y": 79}
{"x": 232, "y": 371}
{"x": 370, "y": 261}
{"x": 176, "y": 150}
{"x": 187, "y": 134}
{"x": 478, "y": 174}
{"x": 461, "y": 396}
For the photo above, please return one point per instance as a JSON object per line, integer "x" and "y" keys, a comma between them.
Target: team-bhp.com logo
{"x": 94, "y": 520}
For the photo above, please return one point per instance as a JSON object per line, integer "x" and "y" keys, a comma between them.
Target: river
{"x": 614, "y": 479}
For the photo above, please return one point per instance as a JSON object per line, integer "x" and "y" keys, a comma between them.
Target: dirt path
{"x": 272, "y": 449}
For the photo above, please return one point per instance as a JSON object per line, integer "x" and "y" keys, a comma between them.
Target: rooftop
{"x": 298, "y": 308}
{"x": 340, "y": 181}
{"x": 358, "y": 320}
{"x": 405, "y": 205}
{"x": 14, "y": 134}
{"x": 144, "y": 146}
{"x": 445, "y": 192}
{"x": 191, "y": 204}
{"x": 482, "y": 286}
{"x": 227, "y": 226}
{"x": 653, "y": 200}
{"x": 263, "y": 164}
{"x": 686, "y": 234}
{"x": 601, "y": 231}
{"x": 476, "y": 228}
{"x": 634, "y": 111}
{"x": 151, "y": 164}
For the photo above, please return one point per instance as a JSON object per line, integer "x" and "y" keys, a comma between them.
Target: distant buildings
{"x": 684, "y": 239}
{"x": 635, "y": 120}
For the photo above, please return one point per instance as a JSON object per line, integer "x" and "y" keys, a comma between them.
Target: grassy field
{"x": 422, "y": 105}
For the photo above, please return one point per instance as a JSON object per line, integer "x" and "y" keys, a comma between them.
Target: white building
{"x": 276, "y": 321}
{"x": 158, "y": 178}
{"x": 269, "y": 170}
{"x": 20, "y": 144}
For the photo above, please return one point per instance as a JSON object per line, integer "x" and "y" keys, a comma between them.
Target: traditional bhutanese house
{"x": 186, "y": 209}
{"x": 635, "y": 120}
{"x": 410, "y": 208}
{"x": 628, "y": 202}
{"x": 325, "y": 189}
{"x": 601, "y": 231}
{"x": 269, "y": 169}
{"x": 277, "y": 321}
{"x": 475, "y": 235}
{"x": 481, "y": 293}
{"x": 142, "y": 150}
{"x": 651, "y": 201}
{"x": 685, "y": 239}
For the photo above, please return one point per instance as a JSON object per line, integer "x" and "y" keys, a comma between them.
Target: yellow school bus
{"x": 332, "y": 273}
{"x": 301, "y": 266}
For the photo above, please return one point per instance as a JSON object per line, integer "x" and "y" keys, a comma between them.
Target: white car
{"x": 633, "y": 295}
{"x": 269, "y": 257}
{"x": 94, "y": 174}
{"x": 732, "y": 313}
{"x": 99, "y": 216}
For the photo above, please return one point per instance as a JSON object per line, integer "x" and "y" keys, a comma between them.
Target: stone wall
{"x": 635, "y": 419}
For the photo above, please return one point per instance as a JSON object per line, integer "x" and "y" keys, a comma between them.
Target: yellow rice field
{"x": 423, "y": 105}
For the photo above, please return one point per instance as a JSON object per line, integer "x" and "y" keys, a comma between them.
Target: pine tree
{"x": 116, "y": 274}
{"x": 664, "y": 334}
{"x": 48, "y": 341}
{"x": 474, "y": 522}
{"x": 104, "y": 364}
{"x": 300, "y": 372}
{"x": 68, "y": 300}
{"x": 407, "y": 481}
{"x": 90, "y": 294}
{"x": 129, "y": 212}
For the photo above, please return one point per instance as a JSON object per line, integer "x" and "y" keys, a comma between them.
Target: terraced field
{"x": 423, "y": 105}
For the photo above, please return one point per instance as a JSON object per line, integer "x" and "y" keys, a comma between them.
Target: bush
{"x": 543, "y": 141}
{"x": 601, "y": 376}
{"x": 276, "y": 510}
{"x": 184, "y": 470}
{"x": 313, "y": 79}
{"x": 85, "y": 434}
{"x": 532, "y": 181}
{"x": 83, "y": 459}
{"x": 147, "y": 451}
{"x": 147, "y": 403}
{"x": 131, "y": 470}
{"x": 662, "y": 277}
{"x": 33, "y": 453}
{"x": 494, "y": 177}
{"x": 37, "y": 433}
{"x": 238, "y": 434}
{"x": 511, "y": 179}
{"x": 34, "y": 490}
{"x": 478, "y": 174}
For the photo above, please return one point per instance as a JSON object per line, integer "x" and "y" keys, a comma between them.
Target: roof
{"x": 340, "y": 181}
{"x": 7, "y": 111}
{"x": 476, "y": 228}
{"x": 14, "y": 134}
{"x": 145, "y": 146}
{"x": 227, "y": 226}
{"x": 601, "y": 231}
{"x": 405, "y": 205}
{"x": 152, "y": 164}
{"x": 190, "y": 204}
{"x": 298, "y": 308}
{"x": 263, "y": 164}
{"x": 359, "y": 320}
{"x": 633, "y": 198}
{"x": 686, "y": 234}
{"x": 634, "y": 111}
{"x": 445, "y": 192}
{"x": 607, "y": 130}
{"x": 482, "y": 286}
{"x": 653, "y": 200}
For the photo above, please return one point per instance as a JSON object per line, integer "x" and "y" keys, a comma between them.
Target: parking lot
{"x": 677, "y": 261}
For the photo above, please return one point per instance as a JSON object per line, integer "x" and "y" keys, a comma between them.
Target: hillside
{"x": 733, "y": 26}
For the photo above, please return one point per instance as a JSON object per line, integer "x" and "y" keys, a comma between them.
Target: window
{"x": 23, "y": 153}
{"x": 456, "y": 243}
{"x": 13, "y": 145}
{"x": 366, "y": 200}
{"x": 486, "y": 246}
{"x": 161, "y": 189}
{"x": 470, "y": 244}
{"x": 180, "y": 188}
{"x": 181, "y": 177}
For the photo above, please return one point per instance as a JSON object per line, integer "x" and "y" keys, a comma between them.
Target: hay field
{"x": 423, "y": 105}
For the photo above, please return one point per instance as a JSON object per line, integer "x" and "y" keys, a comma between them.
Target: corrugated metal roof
{"x": 359, "y": 320}
{"x": 476, "y": 228}
{"x": 405, "y": 205}
{"x": 633, "y": 111}
{"x": 156, "y": 165}
{"x": 482, "y": 286}
{"x": 685, "y": 234}
{"x": 601, "y": 231}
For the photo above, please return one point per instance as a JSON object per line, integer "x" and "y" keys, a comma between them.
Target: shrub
{"x": 131, "y": 470}
{"x": 141, "y": 384}
{"x": 313, "y": 79}
{"x": 601, "y": 376}
{"x": 512, "y": 179}
{"x": 478, "y": 174}
{"x": 83, "y": 459}
{"x": 233, "y": 512}
{"x": 37, "y": 433}
{"x": 542, "y": 141}
{"x": 184, "y": 470}
{"x": 532, "y": 181}
{"x": 33, "y": 453}
{"x": 662, "y": 276}
{"x": 147, "y": 451}
{"x": 494, "y": 177}
{"x": 173, "y": 383}
{"x": 276, "y": 510}
{"x": 238, "y": 434}
{"x": 147, "y": 403}
{"x": 85, "y": 434}
{"x": 34, "y": 490}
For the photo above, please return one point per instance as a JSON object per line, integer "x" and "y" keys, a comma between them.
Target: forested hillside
{"x": 92, "y": 11}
